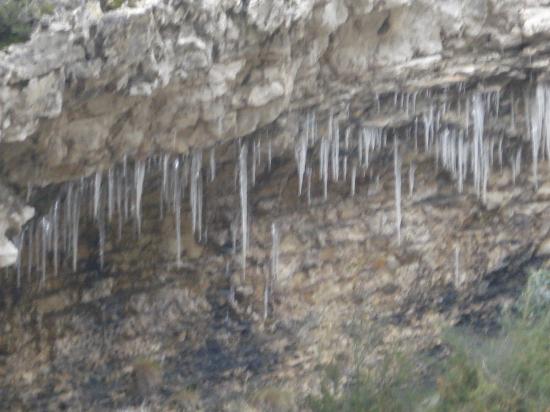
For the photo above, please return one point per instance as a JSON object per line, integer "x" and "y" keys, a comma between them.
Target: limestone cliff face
{"x": 397, "y": 149}
{"x": 199, "y": 336}
{"x": 92, "y": 86}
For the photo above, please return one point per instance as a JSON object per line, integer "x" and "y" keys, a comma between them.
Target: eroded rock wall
{"x": 94, "y": 87}
{"x": 142, "y": 331}
{"x": 91, "y": 86}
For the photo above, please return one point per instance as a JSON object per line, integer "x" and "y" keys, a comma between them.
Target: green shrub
{"x": 506, "y": 373}
{"x": 384, "y": 388}
{"x": 510, "y": 372}
{"x": 15, "y": 25}
{"x": 46, "y": 8}
{"x": 18, "y": 17}
{"x": 108, "y": 5}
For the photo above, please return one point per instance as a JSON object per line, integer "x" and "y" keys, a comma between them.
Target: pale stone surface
{"x": 13, "y": 214}
{"x": 92, "y": 86}
{"x": 535, "y": 21}
{"x": 151, "y": 59}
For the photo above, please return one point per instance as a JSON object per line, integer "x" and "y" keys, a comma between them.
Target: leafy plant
{"x": 507, "y": 373}
{"x": 18, "y": 17}
{"x": 510, "y": 372}
{"x": 384, "y": 388}
{"x": 15, "y": 25}
{"x": 108, "y": 5}
{"x": 381, "y": 387}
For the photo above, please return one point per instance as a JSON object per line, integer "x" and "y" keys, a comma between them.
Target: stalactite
{"x": 360, "y": 149}
{"x": 485, "y": 178}
{"x": 233, "y": 230}
{"x": 500, "y": 155}
{"x": 536, "y": 122}
{"x": 300, "y": 153}
{"x": 119, "y": 206}
{"x": 274, "y": 254}
{"x": 467, "y": 116}
{"x": 323, "y": 164}
{"x": 346, "y": 153}
{"x": 44, "y": 227}
{"x": 313, "y": 128}
{"x": 67, "y": 219}
{"x": 75, "y": 218}
{"x": 428, "y": 120}
{"x": 195, "y": 191}
{"x": 54, "y": 236}
{"x": 478, "y": 114}
{"x": 101, "y": 230}
{"x": 412, "y": 169}
{"x": 199, "y": 208}
{"x": 461, "y": 162}
{"x": 335, "y": 151}
{"x": 110, "y": 193}
{"x": 164, "y": 184}
{"x": 243, "y": 180}
{"x": 269, "y": 155}
{"x": 31, "y": 250}
{"x": 177, "y": 209}
{"x": 212, "y": 163}
{"x": 308, "y": 180}
{"x": 353, "y": 179}
{"x": 253, "y": 165}
{"x": 397, "y": 173}
{"x": 266, "y": 294}
{"x": 139, "y": 176}
{"x": 516, "y": 165}
{"x": 97, "y": 193}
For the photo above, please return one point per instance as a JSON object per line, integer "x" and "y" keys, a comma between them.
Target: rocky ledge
{"x": 220, "y": 189}
{"x": 98, "y": 81}
{"x": 91, "y": 86}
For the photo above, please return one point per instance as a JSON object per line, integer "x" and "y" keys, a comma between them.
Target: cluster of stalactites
{"x": 470, "y": 150}
{"x": 49, "y": 243}
{"x": 343, "y": 152}
{"x": 537, "y": 118}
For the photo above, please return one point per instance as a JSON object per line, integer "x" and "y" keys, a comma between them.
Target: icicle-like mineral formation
{"x": 301, "y": 158}
{"x": 464, "y": 145}
{"x": 196, "y": 192}
{"x": 412, "y": 169}
{"x": 243, "y": 186}
{"x": 397, "y": 173}
{"x": 139, "y": 176}
{"x": 274, "y": 252}
{"x": 97, "y": 193}
{"x": 478, "y": 160}
{"x": 177, "y": 209}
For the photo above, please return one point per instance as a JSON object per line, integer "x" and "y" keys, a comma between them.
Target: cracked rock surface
{"x": 95, "y": 84}
{"x": 193, "y": 337}
{"x": 91, "y": 86}
{"x": 100, "y": 86}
